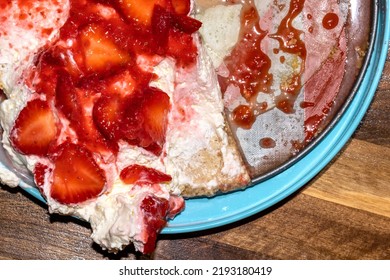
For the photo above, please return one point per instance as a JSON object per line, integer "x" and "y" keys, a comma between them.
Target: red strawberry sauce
{"x": 99, "y": 47}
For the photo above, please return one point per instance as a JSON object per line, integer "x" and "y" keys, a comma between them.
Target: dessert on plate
{"x": 122, "y": 109}
{"x": 115, "y": 108}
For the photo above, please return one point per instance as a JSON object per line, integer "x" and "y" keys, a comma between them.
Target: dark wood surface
{"x": 343, "y": 213}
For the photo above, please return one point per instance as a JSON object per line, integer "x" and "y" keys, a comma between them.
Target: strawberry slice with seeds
{"x": 100, "y": 52}
{"x": 143, "y": 175}
{"x": 140, "y": 11}
{"x": 76, "y": 175}
{"x": 35, "y": 129}
{"x": 155, "y": 109}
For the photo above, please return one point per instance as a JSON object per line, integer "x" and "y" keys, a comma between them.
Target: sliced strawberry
{"x": 143, "y": 175}
{"x": 181, "y": 7}
{"x": 109, "y": 111}
{"x": 76, "y": 175}
{"x": 140, "y": 11}
{"x": 154, "y": 211}
{"x": 100, "y": 52}
{"x": 35, "y": 129}
{"x": 154, "y": 110}
{"x": 153, "y": 147}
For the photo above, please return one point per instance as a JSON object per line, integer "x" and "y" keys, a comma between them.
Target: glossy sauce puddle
{"x": 271, "y": 136}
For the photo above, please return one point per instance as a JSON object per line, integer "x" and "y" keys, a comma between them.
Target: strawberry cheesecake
{"x": 115, "y": 109}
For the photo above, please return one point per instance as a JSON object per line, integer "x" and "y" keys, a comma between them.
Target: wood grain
{"x": 359, "y": 178}
{"x": 302, "y": 228}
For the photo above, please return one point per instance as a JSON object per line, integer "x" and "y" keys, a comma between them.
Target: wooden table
{"x": 343, "y": 213}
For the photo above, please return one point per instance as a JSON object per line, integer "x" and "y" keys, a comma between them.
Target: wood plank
{"x": 385, "y": 79}
{"x": 358, "y": 178}
{"x": 28, "y": 232}
{"x": 375, "y": 126}
{"x": 304, "y": 227}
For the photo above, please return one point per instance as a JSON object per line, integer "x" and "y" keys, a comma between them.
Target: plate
{"x": 206, "y": 213}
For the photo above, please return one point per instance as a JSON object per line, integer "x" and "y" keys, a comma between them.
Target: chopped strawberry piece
{"x": 161, "y": 24}
{"x": 130, "y": 124}
{"x": 176, "y": 205}
{"x": 186, "y": 24}
{"x": 140, "y": 11}
{"x": 47, "y": 70}
{"x": 35, "y": 129}
{"x": 163, "y": 21}
{"x": 143, "y": 175}
{"x": 100, "y": 52}
{"x": 76, "y": 175}
{"x": 181, "y": 7}
{"x": 145, "y": 119}
{"x": 66, "y": 98}
{"x": 154, "y": 110}
{"x": 153, "y": 148}
{"x": 181, "y": 47}
{"x": 155, "y": 210}
{"x": 40, "y": 171}
{"x": 107, "y": 115}
{"x": 73, "y": 103}
{"x": 123, "y": 83}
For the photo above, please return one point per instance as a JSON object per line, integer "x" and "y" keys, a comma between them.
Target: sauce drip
{"x": 290, "y": 42}
{"x": 311, "y": 126}
{"x": 248, "y": 65}
{"x": 267, "y": 143}
{"x": 243, "y": 116}
{"x": 330, "y": 21}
